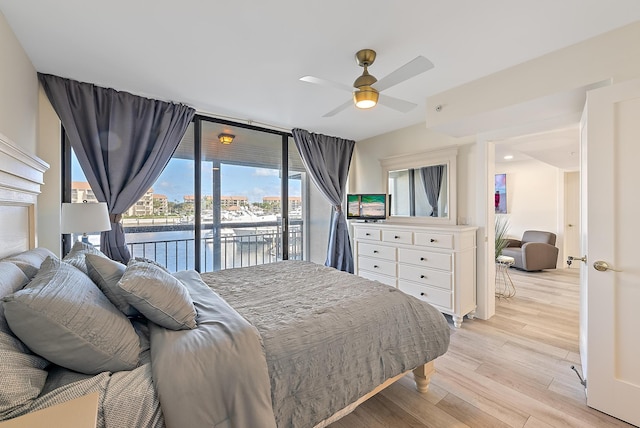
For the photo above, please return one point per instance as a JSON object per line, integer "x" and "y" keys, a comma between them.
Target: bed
{"x": 289, "y": 344}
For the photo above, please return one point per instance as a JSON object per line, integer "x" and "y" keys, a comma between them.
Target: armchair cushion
{"x": 536, "y": 251}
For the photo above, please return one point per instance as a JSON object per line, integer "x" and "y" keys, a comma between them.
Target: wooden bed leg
{"x": 422, "y": 376}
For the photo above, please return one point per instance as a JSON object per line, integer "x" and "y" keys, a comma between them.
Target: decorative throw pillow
{"x": 63, "y": 316}
{"x": 153, "y": 262}
{"x": 158, "y": 295}
{"x": 106, "y": 273}
{"x": 22, "y": 373}
{"x": 78, "y": 252}
{"x": 29, "y": 261}
{"x": 12, "y": 279}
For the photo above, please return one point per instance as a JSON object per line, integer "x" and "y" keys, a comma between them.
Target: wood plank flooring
{"x": 510, "y": 371}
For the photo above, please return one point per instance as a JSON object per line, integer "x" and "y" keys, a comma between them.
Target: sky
{"x": 176, "y": 180}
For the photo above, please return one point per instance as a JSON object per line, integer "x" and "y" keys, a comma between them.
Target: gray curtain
{"x": 327, "y": 160}
{"x": 431, "y": 177}
{"x": 122, "y": 141}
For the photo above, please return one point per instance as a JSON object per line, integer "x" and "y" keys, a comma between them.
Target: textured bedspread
{"x": 214, "y": 375}
{"x": 329, "y": 337}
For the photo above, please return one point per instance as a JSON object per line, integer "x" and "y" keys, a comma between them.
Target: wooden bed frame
{"x": 21, "y": 176}
{"x": 421, "y": 374}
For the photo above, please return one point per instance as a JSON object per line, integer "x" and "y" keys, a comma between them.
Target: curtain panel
{"x": 122, "y": 142}
{"x": 327, "y": 159}
{"x": 432, "y": 181}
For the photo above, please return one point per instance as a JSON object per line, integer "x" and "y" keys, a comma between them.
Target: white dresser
{"x": 436, "y": 264}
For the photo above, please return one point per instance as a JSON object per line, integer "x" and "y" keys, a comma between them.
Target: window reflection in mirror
{"x": 419, "y": 192}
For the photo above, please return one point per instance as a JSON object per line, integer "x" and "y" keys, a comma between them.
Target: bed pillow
{"x": 153, "y": 262}
{"x": 158, "y": 295}
{"x": 78, "y": 252}
{"x": 22, "y": 373}
{"x": 29, "y": 261}
{"x": 106, "y": 273}
{"x": 63, "y": 316}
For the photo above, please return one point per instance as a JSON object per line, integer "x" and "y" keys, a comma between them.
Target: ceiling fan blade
{"x": 396, "y": 103}
{"x": 326, "y": 83}
{"x": 414, "y": 67}
{"x": 338, "y": 109}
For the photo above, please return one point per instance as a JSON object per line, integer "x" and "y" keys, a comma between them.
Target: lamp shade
{"x": 365, "y": 97}
{"x": 85, "y": 217}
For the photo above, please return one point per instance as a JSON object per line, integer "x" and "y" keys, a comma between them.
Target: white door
{"x": 571, "y": 217}
{"x": 611, "y": 234}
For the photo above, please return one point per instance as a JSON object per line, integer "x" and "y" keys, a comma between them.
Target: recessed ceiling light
{"x": 508, "y": 157}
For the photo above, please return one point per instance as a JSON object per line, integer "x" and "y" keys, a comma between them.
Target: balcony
{"x": 230, "y": 245}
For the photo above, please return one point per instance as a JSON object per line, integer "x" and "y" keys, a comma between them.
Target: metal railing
{"x": 236, "y": 245}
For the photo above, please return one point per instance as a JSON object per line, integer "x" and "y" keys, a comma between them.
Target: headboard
{"x": 21, "y": 175}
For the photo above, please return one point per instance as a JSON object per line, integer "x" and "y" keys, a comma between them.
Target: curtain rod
{"x": 247, "y": 121}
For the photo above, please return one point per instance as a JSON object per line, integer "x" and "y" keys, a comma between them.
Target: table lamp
{"x": 85, "y": 217}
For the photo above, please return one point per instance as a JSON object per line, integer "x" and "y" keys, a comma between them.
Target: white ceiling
{"x": 243, "y": 58}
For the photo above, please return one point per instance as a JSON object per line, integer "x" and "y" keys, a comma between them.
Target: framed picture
{"x": 501, "y": 194}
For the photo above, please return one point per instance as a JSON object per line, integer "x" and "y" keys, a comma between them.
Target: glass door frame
{"x": 284, "y": 185}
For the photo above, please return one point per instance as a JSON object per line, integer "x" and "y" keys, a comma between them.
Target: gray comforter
{"x": 214, "y": 375}
{"x": 329, "y": 337}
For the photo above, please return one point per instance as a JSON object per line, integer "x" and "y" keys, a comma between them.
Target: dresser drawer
{"x": 383, "y": 267}
{"x": 398, "y": 236}
{"x": 371, "y": 234}
{"x": 389, "y": 280}
{"x": 377, "y": 251}
{"x": 425, "y": 276}
{"x": 432, "y": 295}
{"x": 436, "y": 240}
{"x": 425, "y": 258}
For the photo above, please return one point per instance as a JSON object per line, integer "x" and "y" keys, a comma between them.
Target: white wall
{"x": 365, "y": 174}
{"x": 18, "y": 91}
{"x": 26, "y": 119}
{"x": 533, "y": 197}
{"x": 49, "y": 216}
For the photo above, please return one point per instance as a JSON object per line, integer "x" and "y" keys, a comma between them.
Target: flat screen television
{"x": 367, "y": 206}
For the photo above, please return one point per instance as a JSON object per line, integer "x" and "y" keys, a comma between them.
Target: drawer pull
{"x": 367, "y": 234}
{"x": 421, "y": 276}
{"x": 421, "y": 259}
{"x": 432, "y": 240}
{"x": 396, "y": 237}
{"x": 375, "y": 266}
{"x": 422, "y": 294}
{"x": 375, "y": 251}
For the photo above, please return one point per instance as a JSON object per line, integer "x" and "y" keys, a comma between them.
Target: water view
{"x": 171, "y": 242}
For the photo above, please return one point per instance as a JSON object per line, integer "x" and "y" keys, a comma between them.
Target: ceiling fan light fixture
{"x": 226, "y": 138}
{"x": 365, "y": 97}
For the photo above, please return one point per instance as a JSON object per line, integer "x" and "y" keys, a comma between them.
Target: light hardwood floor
{"x": 510, "y": 371}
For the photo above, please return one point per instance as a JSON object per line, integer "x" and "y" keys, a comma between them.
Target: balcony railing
{"x": 229, "y": 246}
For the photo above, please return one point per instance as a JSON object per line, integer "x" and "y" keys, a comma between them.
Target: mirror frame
{"x": 417, "y": 160}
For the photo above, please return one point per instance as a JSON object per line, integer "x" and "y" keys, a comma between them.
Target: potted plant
{"x": 502, "y": 226}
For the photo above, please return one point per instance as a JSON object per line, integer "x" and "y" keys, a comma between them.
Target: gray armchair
{"x": 535, "y": 251}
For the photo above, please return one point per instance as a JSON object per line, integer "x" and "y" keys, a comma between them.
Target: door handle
{"x": 602, "y": 266}
{"x": 571, "y": 259}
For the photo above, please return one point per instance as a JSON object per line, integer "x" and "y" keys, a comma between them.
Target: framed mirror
{"x": 422, "y": 187}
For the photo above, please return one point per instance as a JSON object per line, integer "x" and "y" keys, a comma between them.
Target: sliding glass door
{"x": 241, "y": 203}
{"x": 232, "y": 195}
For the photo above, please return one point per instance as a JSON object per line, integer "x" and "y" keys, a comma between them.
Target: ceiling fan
{"x": 367, "y": 87}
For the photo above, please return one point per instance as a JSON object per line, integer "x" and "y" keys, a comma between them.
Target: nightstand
{"x": 79, "y": 413}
